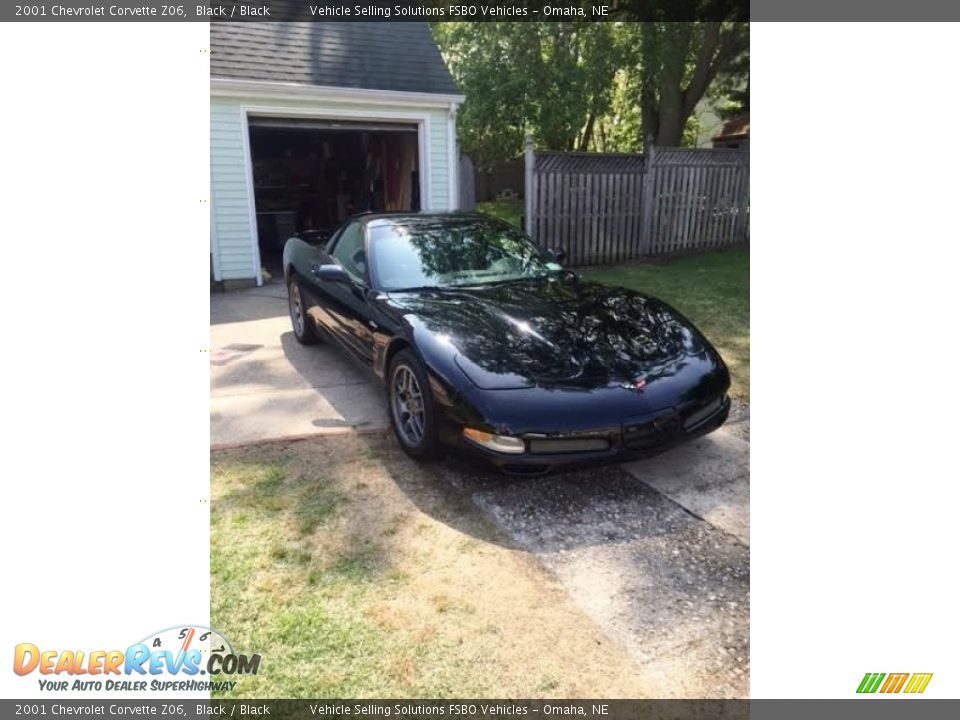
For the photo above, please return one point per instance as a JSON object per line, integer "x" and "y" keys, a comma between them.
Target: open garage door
{"x": 310, "y": 175}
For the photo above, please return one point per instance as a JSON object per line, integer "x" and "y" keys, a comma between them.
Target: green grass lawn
{"x": 508, "y": 210}
{"x": 356, "y": 572}
{"x": 712, "y": 290}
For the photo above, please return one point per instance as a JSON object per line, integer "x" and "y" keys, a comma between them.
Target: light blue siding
{"x": 233, "y": 243}
{"x": 231, "y": 235}
{"x": 439, "y": 167}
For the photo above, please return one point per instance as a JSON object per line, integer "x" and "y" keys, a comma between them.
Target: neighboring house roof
{"x": 398, "y": 56}
{"x": 736, "y": 128}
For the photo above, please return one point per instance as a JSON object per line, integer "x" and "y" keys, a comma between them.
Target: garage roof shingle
{"x": 371, "y": 55}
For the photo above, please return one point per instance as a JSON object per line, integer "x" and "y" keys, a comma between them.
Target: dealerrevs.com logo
{"x": 182, "y": 659}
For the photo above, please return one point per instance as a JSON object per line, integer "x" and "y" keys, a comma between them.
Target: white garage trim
{"x": 453, "y": 164}
{"x": 252, "y": 204}
{"x": 294, "y": 91}
{"x": 423, "y": 148}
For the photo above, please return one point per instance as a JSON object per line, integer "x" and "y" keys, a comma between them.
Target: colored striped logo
{"x": 894, "y": 682}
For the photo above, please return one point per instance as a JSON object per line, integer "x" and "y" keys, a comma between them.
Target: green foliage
{"x": 588, "y": 86}
{"x": 619, "y": 129}
{"x": 733, "y": 96}
{"x": 507, "y": 210}
{"x": 546, "y": 79}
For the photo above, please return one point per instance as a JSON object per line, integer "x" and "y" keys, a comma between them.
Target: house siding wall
{"x": 231, "y": 235}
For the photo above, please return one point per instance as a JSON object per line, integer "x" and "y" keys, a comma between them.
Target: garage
{"x": 309, "y": 175}
{"x": 311, "y": 122}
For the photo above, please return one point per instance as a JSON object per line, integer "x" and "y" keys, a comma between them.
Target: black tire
{"x": 427, "y": 445}
{"x": 303, "y": 329}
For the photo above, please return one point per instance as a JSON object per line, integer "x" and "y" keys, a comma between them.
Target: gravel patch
{"x": 670, "y": 587}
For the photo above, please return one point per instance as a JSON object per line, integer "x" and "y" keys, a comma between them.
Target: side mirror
{"x": 559, "y": 254}
{"x": 331, "y": 273}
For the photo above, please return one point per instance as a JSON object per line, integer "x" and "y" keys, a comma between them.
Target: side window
{"x": 349, "y": 251}
{"x": 332, "y": 240}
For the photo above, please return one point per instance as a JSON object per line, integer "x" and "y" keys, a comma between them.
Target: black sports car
{"x": 486, "y": 343}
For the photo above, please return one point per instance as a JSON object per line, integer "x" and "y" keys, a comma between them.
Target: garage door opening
{"x": 310, "y": 175}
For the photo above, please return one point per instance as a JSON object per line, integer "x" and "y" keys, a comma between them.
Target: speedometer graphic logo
{"x": 216, "y": 654}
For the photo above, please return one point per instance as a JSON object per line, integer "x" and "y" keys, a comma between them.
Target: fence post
{"x": 528, "y": 189}
{"x": 646, "y": 209}
{"x": 468, "y": 188}
{"x": 743, "y": 192}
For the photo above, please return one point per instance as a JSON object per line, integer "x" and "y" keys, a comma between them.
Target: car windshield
{"x": 452, "y": 252}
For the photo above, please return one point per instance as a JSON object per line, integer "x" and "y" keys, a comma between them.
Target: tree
{"x": 733, "y": 95}
{"x": 553, "y": 80}
{"x": 677, "y": 65}
{"x": 592, "y": 86}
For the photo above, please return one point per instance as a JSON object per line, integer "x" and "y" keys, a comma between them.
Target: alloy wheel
{"x": 296, "y": 309}
{"x": 407, "y": 406}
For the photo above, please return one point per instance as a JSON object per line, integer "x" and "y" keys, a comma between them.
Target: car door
{"x": 313, "y": 291}
{"x": 346, "y": 305}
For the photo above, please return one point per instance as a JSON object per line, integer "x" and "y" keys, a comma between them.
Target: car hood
{"x": 560, "y": 331}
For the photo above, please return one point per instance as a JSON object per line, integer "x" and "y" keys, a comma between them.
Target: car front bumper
{"x": 636, "y": 437}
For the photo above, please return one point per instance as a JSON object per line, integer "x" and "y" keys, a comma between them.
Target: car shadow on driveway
{"x": 355, "y": 393}
{"x": 668, "y": 585}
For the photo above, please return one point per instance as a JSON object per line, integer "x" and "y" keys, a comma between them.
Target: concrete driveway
{"x": 656, "y": 552}
{"x": 264, "y": 385}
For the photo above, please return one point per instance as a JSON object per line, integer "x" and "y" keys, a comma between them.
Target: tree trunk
{"x": 649, "y": 116}
{"x": 588, "y": 133}
{"x": 676, "y": 42}
{"x": 665, "y": 103}
{"x": 672, "y": 122}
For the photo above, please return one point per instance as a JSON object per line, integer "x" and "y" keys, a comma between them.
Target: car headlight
{"x": 497, "y": 443}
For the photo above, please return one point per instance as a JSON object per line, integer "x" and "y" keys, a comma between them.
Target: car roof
{"x": 414, "y": 218}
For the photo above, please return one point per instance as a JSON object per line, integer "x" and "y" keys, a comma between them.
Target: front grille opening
{"x": 649, "y": 435}
{"x": 552, "y": 446}
{"x": 649, "y": 440}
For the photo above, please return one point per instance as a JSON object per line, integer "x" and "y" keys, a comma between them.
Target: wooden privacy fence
{"x": 588, "y": 204}
{"x": 605, "y": 208}
{"x": 700, "y": 199}
{"x": 467, "y": 187}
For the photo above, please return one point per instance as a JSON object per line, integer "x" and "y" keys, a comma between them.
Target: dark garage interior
{"x": 310, "y": 175}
